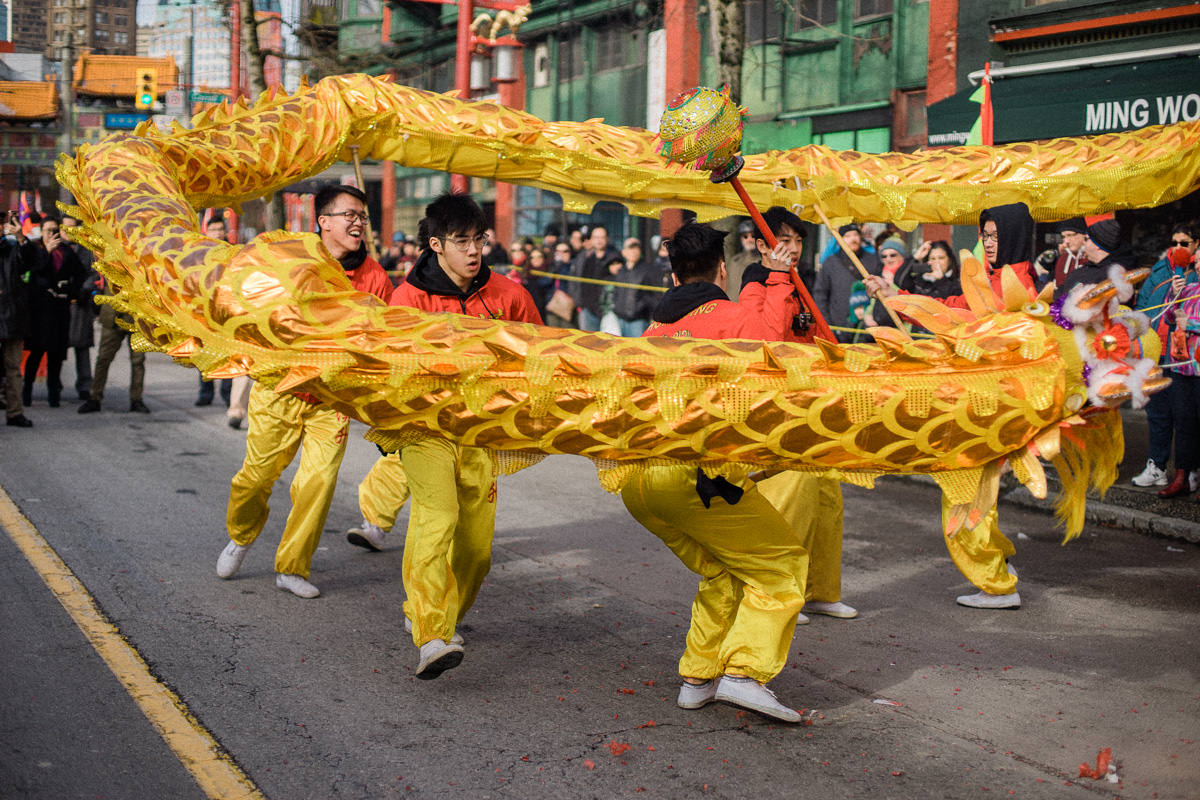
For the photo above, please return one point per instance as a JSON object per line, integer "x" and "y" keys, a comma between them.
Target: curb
{"x": 1098, "y": 512}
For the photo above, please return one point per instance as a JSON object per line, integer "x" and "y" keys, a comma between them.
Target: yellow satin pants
{"x": 751, "y": 570}
{"x": 980, "y": 553}
{"x": 279, "y": 426}
{"x": 383, "y": 492}
{"x": 448, "y": 548}
{"x": 812, "y": 506}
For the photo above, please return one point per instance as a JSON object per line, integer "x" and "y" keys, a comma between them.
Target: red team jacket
{"x": 489, "y": 296}
{"x": 702, "y": 311}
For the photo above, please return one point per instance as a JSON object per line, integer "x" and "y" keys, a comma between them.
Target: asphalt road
{"x": 571, "y": 648}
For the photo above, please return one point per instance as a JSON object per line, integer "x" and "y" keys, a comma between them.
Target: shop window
{"x": 864, "y": 140}
{"x": 764, "y": 20}
{"x": 570, "y": 56}
{"x": 871, "y": 8}
{"x": 816, "y": 13}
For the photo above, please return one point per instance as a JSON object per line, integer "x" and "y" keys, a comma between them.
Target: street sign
{"x": 208, "y": 97}
{"x": 123, "y": 122}
{"x": 175, "y": 101}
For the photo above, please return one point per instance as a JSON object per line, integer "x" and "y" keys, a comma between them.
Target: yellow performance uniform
{"x": 980, "y": 554}
{"x": 751, "y": 567}
{"x": 812, "y": 506}
{"x": 383, "y": 492}
{"x": 279, "y": 425}
{"x": 448, "y": 548}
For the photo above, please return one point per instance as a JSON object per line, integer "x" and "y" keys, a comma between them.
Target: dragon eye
{"x": 1036, "y": 309}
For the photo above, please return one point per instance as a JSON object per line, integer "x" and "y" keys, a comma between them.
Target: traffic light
{"x": 145, "y": 89}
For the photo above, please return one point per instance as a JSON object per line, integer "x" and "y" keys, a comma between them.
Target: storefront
{"x": 1071, "y": 99}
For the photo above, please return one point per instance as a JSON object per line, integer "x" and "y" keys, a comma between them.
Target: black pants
{"x": 54, "y": 362}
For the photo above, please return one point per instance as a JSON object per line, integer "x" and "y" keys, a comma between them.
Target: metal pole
{"x": 462, "y": 74}
{"x": 68, "y": 94}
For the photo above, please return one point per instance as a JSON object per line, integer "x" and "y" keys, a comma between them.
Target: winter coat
{"x": 915, "y": 282}
{"x": 700, "y": 310}
{"x": 631, "y": 304}
{"x": 16, "y": 261}
{"x": 51, "y": 290}
{"x": 588, "y": 265}
{"x": 83, "y": 310}
{"x": 833, "y": 286}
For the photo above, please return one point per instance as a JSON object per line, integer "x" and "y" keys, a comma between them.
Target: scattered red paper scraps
{"x": 896, "y": 773}
{"x": 649, "y": 724}
{"x": 618, "y": 748}
{"x": 880, "y": 701}
{"x": 1102, "y": 759}
{"x": 626, "y": 691}
{"x": 647, "y": 683}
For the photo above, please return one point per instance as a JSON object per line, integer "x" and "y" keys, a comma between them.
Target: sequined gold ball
{"x": 701, "y": 128}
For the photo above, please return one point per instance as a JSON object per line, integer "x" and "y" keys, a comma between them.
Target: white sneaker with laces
{"x": 1151, "y": 476}
{"x": 230, "y": 560}
{"x": 984, "y": 600}
{"x": 455, "y": 639}
{"x": 437, "y": 657}
{"x": 750, "y": 694}
{"x": 696, "y": 695}
{"x": 839, "y": 609}
{"x": 296, "y": 585}
{"x": 367, "y": 535}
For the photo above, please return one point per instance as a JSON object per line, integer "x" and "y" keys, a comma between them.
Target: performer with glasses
{"x": 281, "y": 424}
{"x": 448, "y": 548}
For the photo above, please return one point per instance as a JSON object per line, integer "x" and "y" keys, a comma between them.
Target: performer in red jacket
{"x": 751, "y": 564}
{"x": 448, "y": 548}
{"x": 281, "y": 424}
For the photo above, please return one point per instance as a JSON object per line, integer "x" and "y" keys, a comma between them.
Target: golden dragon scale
{"x": 998, "y": 384}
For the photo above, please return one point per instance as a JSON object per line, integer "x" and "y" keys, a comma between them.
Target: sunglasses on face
{"x": 1182, "y": 242}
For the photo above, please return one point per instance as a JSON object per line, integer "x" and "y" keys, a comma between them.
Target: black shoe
{"x": 203, "y": 401}
{"x": 20, "y": 421}
{"x": 89, "y": 406}
{"x": 139, "y": 407}
{"x": 85, "y": 395}
{"x": 235, "y": 423}
{"x": 54, "y": 403}
{"x": 27, "y": 395}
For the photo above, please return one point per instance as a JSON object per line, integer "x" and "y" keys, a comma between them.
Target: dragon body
{"x": 1004, "y": 382}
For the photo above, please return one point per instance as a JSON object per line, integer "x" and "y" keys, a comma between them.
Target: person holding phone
{"x": 54, "y": 282}
{"x": 16, "y": 255}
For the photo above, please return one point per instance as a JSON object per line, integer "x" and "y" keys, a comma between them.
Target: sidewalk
{"x": 1125, "y": 505}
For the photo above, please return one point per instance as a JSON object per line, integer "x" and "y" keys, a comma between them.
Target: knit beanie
{"x": 1105, "y": 234}
{"x": 894, "y": 244}
{"x": 1074, "y": 225}
{"x": 853, "y": 226}
{"x": 859, "y": 299}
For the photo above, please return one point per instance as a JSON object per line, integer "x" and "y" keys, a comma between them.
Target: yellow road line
{"x": 195, "y": 747}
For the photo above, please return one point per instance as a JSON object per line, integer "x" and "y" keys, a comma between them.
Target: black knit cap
{"x": 1074, "y": 225}
{"x": 853, "y": 226}
{"x": 1105, "y": 234}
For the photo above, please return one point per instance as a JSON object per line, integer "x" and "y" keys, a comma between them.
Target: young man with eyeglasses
{"x": 448, "y": 547}
{"x": 981, "y": 553}
{"x": 281, "y": 424}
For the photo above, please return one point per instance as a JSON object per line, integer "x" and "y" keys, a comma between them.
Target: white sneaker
{"x": 296, "y": 585}
{"x": 802, "y": 620}
{"x": 455, "y": 639}
{"x": 437, "y": 657}
{"x": 839, "y": 610}
{"x": 750, "y": 694}
{"x": 230, "y": 560}
{"x": 1152, "y": 476}
{"x": 984, "y": 600}
{"x": 1193, "y": 481}
{"x": 369, "y": 536}
{"x": 696, "y": 695}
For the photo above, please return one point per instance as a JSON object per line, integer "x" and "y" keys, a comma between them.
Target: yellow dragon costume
{"x": 1002, "y": 383}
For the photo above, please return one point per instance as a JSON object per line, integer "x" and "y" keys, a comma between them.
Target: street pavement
{"x": 568, "y": 685}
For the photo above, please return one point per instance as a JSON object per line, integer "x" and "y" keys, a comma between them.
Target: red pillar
{"x": 462, "y": 74}
{"x": 683, "y": 72}
{"x": 512, "y": 95}
{"x": 942, "y": 75}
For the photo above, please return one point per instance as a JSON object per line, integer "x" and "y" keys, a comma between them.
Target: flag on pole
{"x": 981, "y": 131}
{"x": 24, "y": 213}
